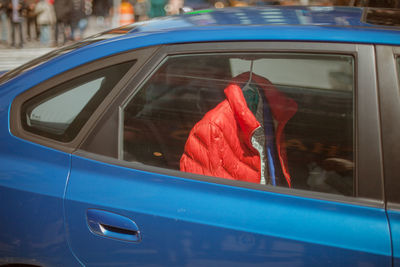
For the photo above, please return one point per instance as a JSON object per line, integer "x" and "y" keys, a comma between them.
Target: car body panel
{"x": 394, "y": 219}
{"x": 32, "y": 184}
{"x": 188, "y": 222}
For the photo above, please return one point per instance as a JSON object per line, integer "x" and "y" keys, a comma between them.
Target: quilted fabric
{"x": 220, "y": 143}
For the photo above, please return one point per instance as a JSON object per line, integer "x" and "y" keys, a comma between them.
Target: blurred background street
{"x": 11, "y": 57}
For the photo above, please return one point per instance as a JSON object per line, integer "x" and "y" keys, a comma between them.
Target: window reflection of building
{"x": 384, "y": 17}
{"x": 315, "y": 15}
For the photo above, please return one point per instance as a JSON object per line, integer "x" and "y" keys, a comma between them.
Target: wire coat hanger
{"x": 246, "y": 86}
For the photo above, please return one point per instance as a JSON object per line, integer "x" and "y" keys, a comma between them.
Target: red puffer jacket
{"x": 220, "y": 143}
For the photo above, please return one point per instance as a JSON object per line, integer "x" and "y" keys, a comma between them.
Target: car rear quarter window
{"x": 60, "y": 112}
{"x": 280, "y": 119}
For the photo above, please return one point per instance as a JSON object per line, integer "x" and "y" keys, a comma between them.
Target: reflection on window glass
{"x": 57, "y": 113}
{"x": 383, "y": 16}
{"x": 60, "y": 112}
{"x": 271, "y": 119}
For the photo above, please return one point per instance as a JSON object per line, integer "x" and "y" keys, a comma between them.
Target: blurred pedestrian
{"x": 78, "y": 19}
{"x": 140, "y": 7}
{"x": 102, "y": 9}
{"x": 157, "y": 8}
{"x": 17, "y": 9}
{"x": 31, "y": 20}
{"x": 46, "y": 18}
{"x": 3, "y": 21}
{"x": 83, "y": 22}
{"x": 63, "y": 9}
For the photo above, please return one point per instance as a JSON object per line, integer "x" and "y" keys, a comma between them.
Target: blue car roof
{"x": 271, "y": 15}
{"x": 302, "y": 23}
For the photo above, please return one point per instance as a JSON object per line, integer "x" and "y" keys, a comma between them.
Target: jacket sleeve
{"x": 201, "y": 155}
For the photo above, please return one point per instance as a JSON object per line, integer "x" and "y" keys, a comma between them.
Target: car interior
{"x": 319, "y": 137}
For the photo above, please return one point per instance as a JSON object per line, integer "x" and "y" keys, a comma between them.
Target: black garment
{"x": 60, "y": 28}
{"x": 29, "y": 23}
{"x": 3, "y": 6}
{"x": 17, "y": 25}
{"x": 77, "y": 13}
{"x": 102, "y": 7}
{"x": 14, "y": 26}
{"x": 63, "y": 10}
{"x": 21, "y": 11}
{"x": 31, "y": 20}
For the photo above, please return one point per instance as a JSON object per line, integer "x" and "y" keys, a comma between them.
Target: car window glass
{"x": 59, "y": 116}
{"x": 310, "y": 72}
{"x": 60, "y": 112}
{"x": 383, "y": 16}
{"x": 272, "y": 119}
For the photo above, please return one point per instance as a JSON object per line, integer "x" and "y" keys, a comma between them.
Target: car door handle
{"x": 112, "y": 225}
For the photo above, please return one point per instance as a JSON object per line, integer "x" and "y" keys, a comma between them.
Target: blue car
{"x": 230, "y": 137}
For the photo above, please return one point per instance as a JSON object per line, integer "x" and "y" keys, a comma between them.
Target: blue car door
{"x": 32, "y": 183}
{"x": 33, "y": 178}
{"x": 128, "y": 202}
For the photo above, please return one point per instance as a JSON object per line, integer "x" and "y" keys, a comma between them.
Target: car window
{"x": 49, "y": 117}
{"x": 277, "y": 119}
{"x": 59, "y": 113}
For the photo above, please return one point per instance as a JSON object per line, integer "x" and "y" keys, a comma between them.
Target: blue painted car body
{"x": 53, "y": 204}
{"x": 201, "y": 224}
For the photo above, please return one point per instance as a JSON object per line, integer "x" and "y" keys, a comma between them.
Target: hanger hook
{"x": 250, "y": 76}
{"x": 251, "y": 69}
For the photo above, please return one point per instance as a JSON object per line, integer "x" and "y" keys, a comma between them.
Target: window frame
{"x": 389, "y": 97}
{"x": 367, "y": 152}
{"x": 16, "y": 125}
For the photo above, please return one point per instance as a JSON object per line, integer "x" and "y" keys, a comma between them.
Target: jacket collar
{"x": 282, "y": 107}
